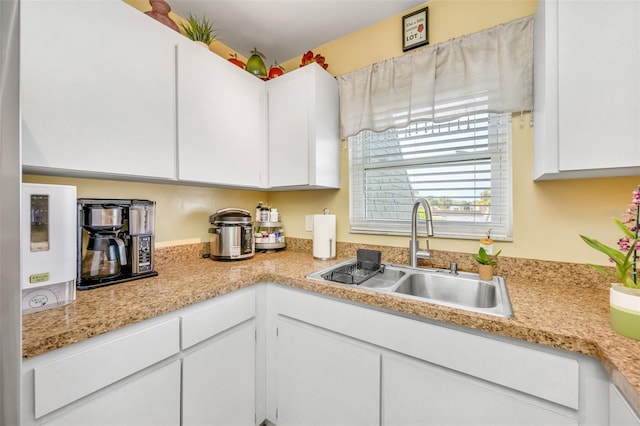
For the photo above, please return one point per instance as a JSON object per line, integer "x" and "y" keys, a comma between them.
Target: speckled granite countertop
{"x": 567, "y": 315}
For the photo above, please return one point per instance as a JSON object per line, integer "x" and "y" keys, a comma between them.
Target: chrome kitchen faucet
{"x": 414, "y": 245}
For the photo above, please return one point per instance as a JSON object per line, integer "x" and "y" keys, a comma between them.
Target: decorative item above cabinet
{"x": 587, "y": 90}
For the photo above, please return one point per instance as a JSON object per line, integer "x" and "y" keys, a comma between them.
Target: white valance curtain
{"x": 494, "y": 67}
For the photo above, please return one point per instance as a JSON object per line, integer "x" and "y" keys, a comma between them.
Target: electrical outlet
{"x": 308, "y": 222}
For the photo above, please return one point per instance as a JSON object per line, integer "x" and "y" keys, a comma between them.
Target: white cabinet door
{"x": 98, "y": 90}
{"x": 323, "y": 379}
{"x": 221, "y": 121}
{"x": 147, "y": 399}
{"x": 419, "y": 393}
{"x": 586, "y": 89}
{"x": 219, "y": 379}
{"x": 303, "y": 129}
{"x": 620, "y": 412}
{"x": 599, "y": 85}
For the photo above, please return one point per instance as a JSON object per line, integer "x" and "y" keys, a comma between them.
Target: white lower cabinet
{"x": 151, "y": 399}
{"x": 323, "y": 379}
{"x": 218, "y": 380}
{"x": 420, "y": 393}
{"x": 620, "y": 412}
{"x": 291, "y": 357}
{"x": 425, "y": 372}
{"x": 194, "y": 366}
{"x": 122, "y": 377}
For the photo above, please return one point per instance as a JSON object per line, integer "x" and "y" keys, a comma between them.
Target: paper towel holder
{"x": 332, "y": 254}
{"x": 319, "y": 249}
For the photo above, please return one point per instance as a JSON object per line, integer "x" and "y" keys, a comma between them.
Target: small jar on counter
{"x": 273, "y": 215}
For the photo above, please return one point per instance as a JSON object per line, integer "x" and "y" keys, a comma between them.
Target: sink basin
{"x": 450, "y": 289}
{"x": 385, "y": 280}
{"x": 462, "y": 291}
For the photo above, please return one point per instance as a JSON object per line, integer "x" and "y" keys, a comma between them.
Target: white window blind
{"x": 461, "y": 166}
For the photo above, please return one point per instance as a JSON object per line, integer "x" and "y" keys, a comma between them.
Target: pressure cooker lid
{"x": 230, "y": 216}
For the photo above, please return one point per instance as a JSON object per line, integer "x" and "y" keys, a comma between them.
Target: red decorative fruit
{"x": 234, "y": 60}
{"x": 275, "y": 71}
{"x": 308, "y": 58}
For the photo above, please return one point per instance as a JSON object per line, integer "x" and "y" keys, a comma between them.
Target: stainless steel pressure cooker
{"x": 231, "y": 235}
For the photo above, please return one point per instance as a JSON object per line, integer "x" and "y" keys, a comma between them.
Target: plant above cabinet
{"x": 199, "y": 30}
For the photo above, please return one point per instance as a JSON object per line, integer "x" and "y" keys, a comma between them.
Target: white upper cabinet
{"x": 110, "y": 92}
{"x": 587, "y": 89}
{"x": 304, "y": 143}
{"x": 97, "y": 90}
{"x": 221, "y": 121}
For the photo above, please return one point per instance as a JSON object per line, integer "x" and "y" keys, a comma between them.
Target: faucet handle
{"x": 453, "y": 268}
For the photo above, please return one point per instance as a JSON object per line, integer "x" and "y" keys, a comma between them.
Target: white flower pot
{"x": 625, "y": 310}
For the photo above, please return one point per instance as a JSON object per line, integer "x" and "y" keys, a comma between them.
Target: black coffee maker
{"x": 115, "y": 241}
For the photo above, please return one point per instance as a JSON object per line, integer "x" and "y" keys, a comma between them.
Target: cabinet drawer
{"x": 152, "y": 398}
{"x": 216, "y": 316}
{"x": 539, "y": 372}
{"x": 74, "y": 376}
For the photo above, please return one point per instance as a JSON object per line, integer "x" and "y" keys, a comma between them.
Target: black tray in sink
{"x": 366, "y": 266}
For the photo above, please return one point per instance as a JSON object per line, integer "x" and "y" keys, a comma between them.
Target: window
{"x": 462, "y": 167}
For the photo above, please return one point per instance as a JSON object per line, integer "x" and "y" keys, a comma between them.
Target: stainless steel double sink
{"x": 462, "y": 290}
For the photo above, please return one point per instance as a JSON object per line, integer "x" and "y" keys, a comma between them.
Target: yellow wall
{"x": 548, "y": 216}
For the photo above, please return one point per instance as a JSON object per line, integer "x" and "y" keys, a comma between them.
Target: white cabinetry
{"x": 620, "y": 412}
{"x": 421, "y": 393}
{"x": 304, "y": 143}
{"x": 587, "y": 89}
{"x": 218, "y": 381}
{"x": 110, "y": 379}
{"x": 97, "y": 90}
{"x": 192, "y": 366}
{"x": 430, "y": 373}
{"x": 325, "y": 380}
{"x": 292, "y": 357}
{"x": 218, "y": 374}
{"x": 138, "y": 100}
{"x": 221, "y": 121}
{"x": 152, "y": 399}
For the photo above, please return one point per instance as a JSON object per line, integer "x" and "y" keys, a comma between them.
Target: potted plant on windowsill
{"x": 486, "y": 263}
{"x": 624, "y": 295}
{"x": 199, "y": 30}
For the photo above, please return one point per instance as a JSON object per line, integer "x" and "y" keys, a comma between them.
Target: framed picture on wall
{"x": 415, "y": 29}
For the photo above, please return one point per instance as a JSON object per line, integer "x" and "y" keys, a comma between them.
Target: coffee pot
{"x": 116, "y": 239}
{"x": 105, "y": 252}
{"x": 104, "y": 256}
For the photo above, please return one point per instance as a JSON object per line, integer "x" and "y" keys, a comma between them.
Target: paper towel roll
{"x": 324, "y": 236}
